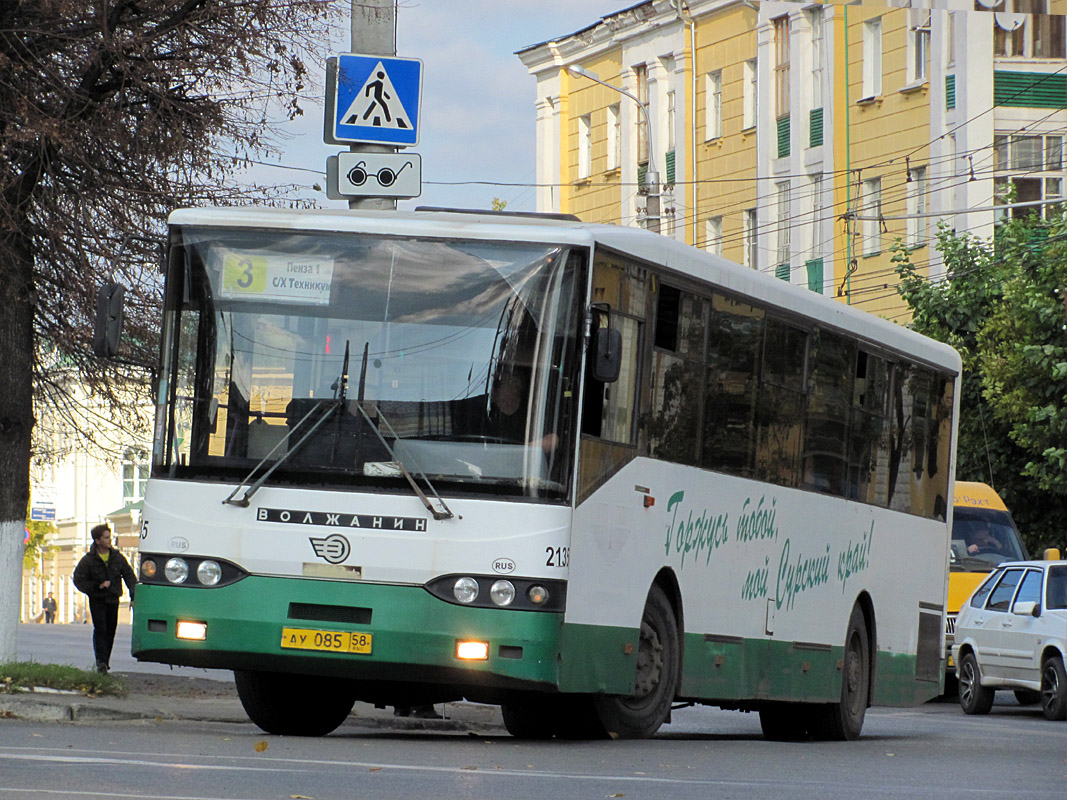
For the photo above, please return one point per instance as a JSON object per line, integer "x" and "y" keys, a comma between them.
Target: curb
{"x": 31, "y": 709}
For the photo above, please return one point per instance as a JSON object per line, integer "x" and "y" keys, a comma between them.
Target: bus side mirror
{"x": 107, "y": 329}
{"x": 607, "y": 354}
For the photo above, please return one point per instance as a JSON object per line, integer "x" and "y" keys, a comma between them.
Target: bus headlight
{"x": 502, "y": 593}
{"x": 465, "y": 590}
{"x": 176, "y": 570}
{"x": 208, "y": 573}
{"x": 148, "y": 569}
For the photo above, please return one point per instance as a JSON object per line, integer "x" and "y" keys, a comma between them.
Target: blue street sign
{"x": 376, "y": 100}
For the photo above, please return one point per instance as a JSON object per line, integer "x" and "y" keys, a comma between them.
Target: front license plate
{"x": 327, "y": 641}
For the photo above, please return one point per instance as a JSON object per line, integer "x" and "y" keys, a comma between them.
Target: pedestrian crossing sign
{"x": 374, "y": 99}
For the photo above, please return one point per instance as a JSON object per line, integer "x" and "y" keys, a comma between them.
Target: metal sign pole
{"x": 373, "y": 33}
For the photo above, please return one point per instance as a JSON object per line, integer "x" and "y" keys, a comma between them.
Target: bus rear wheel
{"x": 640, "y": 715}
{"x": 843, "y": 721}
{"x": 294, "y": 705}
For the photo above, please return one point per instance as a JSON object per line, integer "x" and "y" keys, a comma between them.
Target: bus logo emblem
{"x": 333, "y": 549}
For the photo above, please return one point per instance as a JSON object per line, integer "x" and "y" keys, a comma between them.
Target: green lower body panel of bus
{"x": 735, "y": 670}
{"x": 376, "y": 633}
{"x": 738, "y": 669}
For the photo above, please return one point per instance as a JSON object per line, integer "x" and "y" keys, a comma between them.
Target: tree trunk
{"x": 17, "y": 300}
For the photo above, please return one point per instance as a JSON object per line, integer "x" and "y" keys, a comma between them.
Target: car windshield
{"x": 337, "y": 355}
{"x": 983, "y": 538}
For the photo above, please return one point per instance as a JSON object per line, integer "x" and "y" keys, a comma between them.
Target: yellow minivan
{"x": 983, "y": 535}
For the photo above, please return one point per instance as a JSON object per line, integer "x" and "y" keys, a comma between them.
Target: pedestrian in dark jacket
{"x": 100, "y": 575}
{"x": 50, "y": 608}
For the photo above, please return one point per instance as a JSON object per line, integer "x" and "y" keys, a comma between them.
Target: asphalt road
{"x": 931, "y": 751}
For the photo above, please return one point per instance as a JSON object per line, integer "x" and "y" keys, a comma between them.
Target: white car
{"x": 1012, "y": 634}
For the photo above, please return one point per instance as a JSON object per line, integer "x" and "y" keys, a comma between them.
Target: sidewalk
{"x": 176, "y": 697}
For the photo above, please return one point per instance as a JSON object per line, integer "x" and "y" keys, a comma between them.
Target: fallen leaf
{"x": 300, "y": 797}
{"x": 468, "y": 767}
{"x": 617, "y": 794}
{"x": 261, "y": 746}
{"x": 375, "y": 769}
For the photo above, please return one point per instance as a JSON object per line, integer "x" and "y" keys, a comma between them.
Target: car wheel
{"x": 974, "y": 698}
{"x": 1054, "y": 689}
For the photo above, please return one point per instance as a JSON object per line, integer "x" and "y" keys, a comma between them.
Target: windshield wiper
{"x": 334, "y": 404}
{"x": 438, "y": 514}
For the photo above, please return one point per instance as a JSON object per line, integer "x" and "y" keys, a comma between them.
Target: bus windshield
{"x": 338, "y": 355}
{"x": 983, "y": 538}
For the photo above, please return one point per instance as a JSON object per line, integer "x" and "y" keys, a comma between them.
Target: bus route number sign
{"x": 326, "y": 641}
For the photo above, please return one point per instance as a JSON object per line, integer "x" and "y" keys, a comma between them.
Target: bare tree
{"x": 113, "y": 112}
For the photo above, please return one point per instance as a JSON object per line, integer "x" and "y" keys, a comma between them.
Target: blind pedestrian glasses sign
{"x": 373, "y": 99}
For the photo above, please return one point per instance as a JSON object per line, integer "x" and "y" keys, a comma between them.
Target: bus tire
{"x": 843, "y": 721}
{"x": 974, "y": 698}
{"x": 640, "y": 715}
{"x": 1054, "y": 689}
{"x": 529, "y": 719}
{"x": 784, "y": 722}
{"x": 294, "y": 705}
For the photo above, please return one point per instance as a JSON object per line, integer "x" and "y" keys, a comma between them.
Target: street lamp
{"x": 651, "y": 176}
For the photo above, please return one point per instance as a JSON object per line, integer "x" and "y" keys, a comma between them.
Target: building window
{"x": 713, "y": 109}
{"x": 784, "y": 223}
{"x": 918, "y": 45}
{"x": 1046, "y": 32}
{"x": 872, "y": 58}
{"x": 749, "y": 235}
{"x": 872, "y": 216}
{"x": 815, "y": 18}
{"x": 950, "y": 39}
{"x": 1029, "y": 169}
{"x": 585, "y": 146}
{"x": 816, "y": 217}
{"x": 614, "y": 137}
{"x": 713, "y": 235}
{"x": 916, "y": 207}
{"x": 135, "y": 470}
{"x": 781, "y": 67}
{"x": 671, "y": 119}
{"x": 641, "y": 92}
{"x": 750, "y": 94}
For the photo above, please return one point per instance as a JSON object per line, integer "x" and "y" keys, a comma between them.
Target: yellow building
{"x": 806, "y": 140}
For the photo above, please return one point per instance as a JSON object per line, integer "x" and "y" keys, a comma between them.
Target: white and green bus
{"x": 581, "y": 471}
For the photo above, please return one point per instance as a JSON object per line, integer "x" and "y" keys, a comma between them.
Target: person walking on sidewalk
{"x": 100, "y": 575}
{"x": 50, "y": 608}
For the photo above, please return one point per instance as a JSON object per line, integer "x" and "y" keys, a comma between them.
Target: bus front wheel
{"x": 843, "y": 721}
{"x": 640, "y": 715}
{"x": 294, "y": 705}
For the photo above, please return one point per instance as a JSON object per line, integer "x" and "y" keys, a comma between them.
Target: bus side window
{"x": 780, "y": 410}
{"x": 676, "y": 402}
{"x": 735, "y": 340}
{"x": 830, "y": 390}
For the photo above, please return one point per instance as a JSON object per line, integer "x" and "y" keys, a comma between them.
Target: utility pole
{"x": 373, "y": 33}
